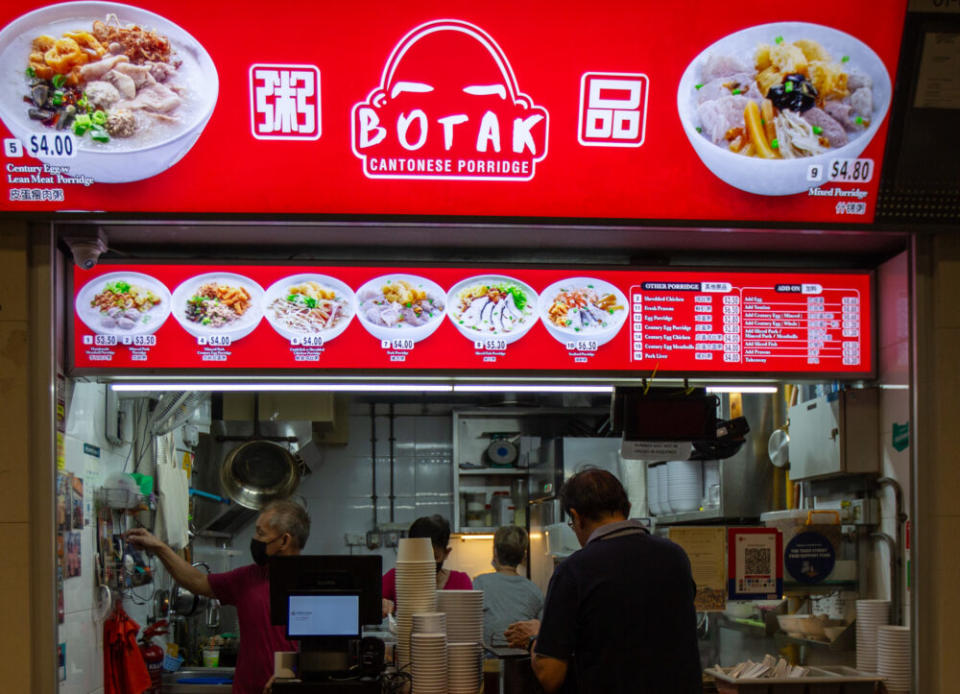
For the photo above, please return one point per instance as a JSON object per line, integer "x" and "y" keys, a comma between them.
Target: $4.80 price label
{"x": 850, "y": 170}
{"x": 60, "y": 145}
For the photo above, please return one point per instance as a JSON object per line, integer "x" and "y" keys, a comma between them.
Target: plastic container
{"x": 211, "y": 657}
{"x": 171, "y": 663}
{"x": 501, "y": 504}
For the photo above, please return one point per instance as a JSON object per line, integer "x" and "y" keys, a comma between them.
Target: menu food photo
{"x": 661, "y": 112}
{"x": 468, "y": 319}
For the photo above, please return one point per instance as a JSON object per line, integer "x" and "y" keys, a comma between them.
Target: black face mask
{"x": 258, "y": 550}
{"x": 439, "y": 566}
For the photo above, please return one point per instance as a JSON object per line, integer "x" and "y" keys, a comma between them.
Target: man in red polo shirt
{"x": 282, "y": 530}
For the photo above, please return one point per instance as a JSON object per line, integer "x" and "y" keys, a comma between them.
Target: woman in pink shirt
{"x": 437, "y": 528}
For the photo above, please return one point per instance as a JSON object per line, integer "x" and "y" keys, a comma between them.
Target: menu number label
{"x": 52, "y": 145}
{"x": 214, "y": 341}
{"x": 850, "y": 170}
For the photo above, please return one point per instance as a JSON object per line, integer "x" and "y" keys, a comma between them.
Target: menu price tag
{"x": 490, "y": 344}
{"x": 850, "y": 170}
{"x": 139, "y": 340}
{"x": 307, "y": 341}
{"x": 105, "y": 340}
{"x": 60, "y": 145}
{"x": 405, "y": 344}
{"x": 582, "y": 346}
{"x": 214, "y": 341}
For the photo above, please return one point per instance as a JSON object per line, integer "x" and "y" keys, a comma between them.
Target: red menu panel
{"x": 567, "y": 322}
{"x": 601, "y": 110}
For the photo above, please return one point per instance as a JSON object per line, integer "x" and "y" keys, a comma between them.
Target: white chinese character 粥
{"x": 285, "y": 102}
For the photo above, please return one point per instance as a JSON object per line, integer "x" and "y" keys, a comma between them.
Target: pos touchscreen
{"x": 323, "y": 614}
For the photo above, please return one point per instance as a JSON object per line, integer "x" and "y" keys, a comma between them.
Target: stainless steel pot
{"x": 183, "y": 602}
{"x": 258, "y": 472}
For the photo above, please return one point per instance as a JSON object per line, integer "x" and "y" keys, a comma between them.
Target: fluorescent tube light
{"x": 479, "y": 536}
{"x": 518, "y": 388}
{"x": 346, "y": 387}
{"x": 741, "y": 389}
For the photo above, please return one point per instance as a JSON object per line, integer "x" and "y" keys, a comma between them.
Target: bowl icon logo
{"x": 448, "y": 107}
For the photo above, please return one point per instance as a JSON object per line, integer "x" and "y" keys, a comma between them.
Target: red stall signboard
{"x": 607, "y": 110}
{"x": 440, "y": 320}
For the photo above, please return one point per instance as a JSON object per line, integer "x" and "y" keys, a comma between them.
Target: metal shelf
{"x": 487, "y": 471}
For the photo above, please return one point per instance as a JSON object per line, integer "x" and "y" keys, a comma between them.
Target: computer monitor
{"x": 323, "y": 614}
{"x": 360, "y": 573}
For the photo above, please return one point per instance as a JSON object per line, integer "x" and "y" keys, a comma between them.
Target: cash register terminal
{"x": 323, "y": 601}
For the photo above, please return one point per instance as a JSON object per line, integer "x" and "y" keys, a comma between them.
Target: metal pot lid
{"x": 258, "y": 472}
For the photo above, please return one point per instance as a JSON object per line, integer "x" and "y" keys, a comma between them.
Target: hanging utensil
{"x": 259, "y": 470}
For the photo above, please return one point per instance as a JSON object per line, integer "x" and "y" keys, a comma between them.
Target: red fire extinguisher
{"x": 153, "y": 654}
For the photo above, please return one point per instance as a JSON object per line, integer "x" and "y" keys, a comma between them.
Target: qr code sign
{"x": 613, "y": 109}
{"x": 756, "y": 560}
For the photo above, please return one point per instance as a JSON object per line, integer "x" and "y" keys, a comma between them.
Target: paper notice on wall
{"x": 656, "y": 450}
{"x": 938, "y": 81}
{"x": 706, "y": 549}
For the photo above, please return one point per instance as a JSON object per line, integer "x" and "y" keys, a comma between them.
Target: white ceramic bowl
{"x": 529, "y": 311}
{"x": 279, "y": 289}
{"x": 107, "y": 164}
{"x": 401, "y": 330}
{"x": 149, "y": 321}
{"x": 602, "y": 335}
{"x": 780, "y": 176}
{"x": 239, "y": 328}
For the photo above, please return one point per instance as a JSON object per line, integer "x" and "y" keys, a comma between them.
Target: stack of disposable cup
{"x": 416, "y": 589}
{"x": 663, "y": 489}
{"x": 871, "y": 615}
{"x": 685, "y": 483}
{"x": 428, "y": 663}
{"x": 464, "y": 610}
{"x": 893, "y": 657}
{"x": 653, "y": 491}
{"x": 464, "y": 667}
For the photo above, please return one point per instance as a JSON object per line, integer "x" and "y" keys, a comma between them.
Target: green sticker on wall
{"x": 901, "y": 436}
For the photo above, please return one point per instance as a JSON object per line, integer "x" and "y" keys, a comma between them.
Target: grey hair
{"x": 289, "y": 517}
{"x": 510, "y": 544}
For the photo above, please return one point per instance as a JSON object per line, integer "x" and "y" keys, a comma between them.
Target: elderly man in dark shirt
{"x": 619, "y": 614}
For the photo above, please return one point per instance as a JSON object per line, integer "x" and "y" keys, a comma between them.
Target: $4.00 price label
{"x": 52, "y": 145}
{"x": 399, "y": 343}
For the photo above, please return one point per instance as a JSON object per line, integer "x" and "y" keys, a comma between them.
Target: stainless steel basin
{"x": 173, "y": 686}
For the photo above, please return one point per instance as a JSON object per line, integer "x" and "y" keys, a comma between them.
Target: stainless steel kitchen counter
{"x": 172, "y": 686}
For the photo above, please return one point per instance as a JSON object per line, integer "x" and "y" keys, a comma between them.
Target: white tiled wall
{"x": 338, "y": 492}
{"x": 82, "y": 629}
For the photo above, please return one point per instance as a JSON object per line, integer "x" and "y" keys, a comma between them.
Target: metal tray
{"x": 820, "y": 680}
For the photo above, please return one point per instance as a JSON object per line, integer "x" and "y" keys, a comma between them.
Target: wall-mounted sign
{"x": 610, "y": 110}
{"x": 754, "y": 563}
{"x": 443, "y": 319}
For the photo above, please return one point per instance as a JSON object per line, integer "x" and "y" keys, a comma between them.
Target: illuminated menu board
{"x": 440, "y": 320}
{"x": 544, "y": 109}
